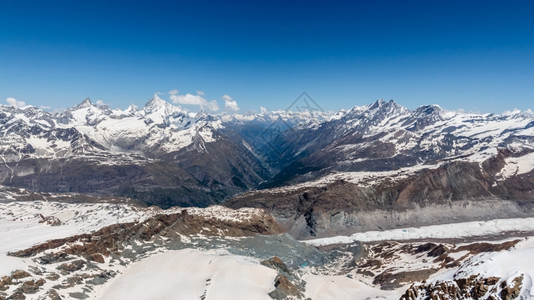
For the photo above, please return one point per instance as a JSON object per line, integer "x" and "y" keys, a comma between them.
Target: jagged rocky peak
{"x": 201, "y": 115}
{"x": 378, "y": 108}
{"x": 377, "y": 111}
{"x": 377, "y": 104}
{"x": 85, "y": 103}
{"x": 204, "y": 116}
{"x": 34, "y": 112}
{"x": 390, "y": 107}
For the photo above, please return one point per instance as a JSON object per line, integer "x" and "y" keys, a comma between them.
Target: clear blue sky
{"x": 471, "y": 55}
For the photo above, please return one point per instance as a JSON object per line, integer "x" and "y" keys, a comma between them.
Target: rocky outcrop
{"x": 287, "y": 284}
{"x": 473, "y": 287}
{"x": 112, "y": 239}
{"x": 284, "y": 289}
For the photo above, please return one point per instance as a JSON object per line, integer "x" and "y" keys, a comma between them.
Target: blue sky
{"x": 470, "y": 55}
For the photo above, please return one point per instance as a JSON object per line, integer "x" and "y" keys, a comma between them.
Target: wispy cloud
{"x": 100, "y": 102}
{"x": 229, "y": 103}
{"x": 15, "y": 103}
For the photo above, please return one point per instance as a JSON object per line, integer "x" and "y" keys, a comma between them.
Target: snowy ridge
{"x": 89, "y": 129}
{"x": 361, "y": 178}
{"x": 431, "y": 128}
{"x": 161, "y": 126}
{"x": 95, "y": 129}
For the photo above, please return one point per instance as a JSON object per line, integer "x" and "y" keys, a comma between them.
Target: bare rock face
{"x": 69, "y": 267}
{"x": 277, "y": 264}
{"x": 287, "y": 284}
{"x": 284, "y": 289}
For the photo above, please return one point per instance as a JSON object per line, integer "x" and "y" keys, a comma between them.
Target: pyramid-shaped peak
{"x": 85, "y": 103}
{"x": 203, "y": 116}
{"x": 155, "y": 103}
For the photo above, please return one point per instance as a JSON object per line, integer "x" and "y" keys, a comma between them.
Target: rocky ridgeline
{"x": 112, "y": 239}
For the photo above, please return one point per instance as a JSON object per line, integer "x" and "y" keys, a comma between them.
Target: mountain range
{"x": 375, "y": 202}
{"x": 314, "y": 170}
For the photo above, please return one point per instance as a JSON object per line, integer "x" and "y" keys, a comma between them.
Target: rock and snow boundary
{"x": 445, "y": 231}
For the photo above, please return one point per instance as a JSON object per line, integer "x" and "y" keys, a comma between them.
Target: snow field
{"x": 192, "y": 274}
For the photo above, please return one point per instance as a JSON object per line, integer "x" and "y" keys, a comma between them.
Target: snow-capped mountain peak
{"x": 156, "y": 104}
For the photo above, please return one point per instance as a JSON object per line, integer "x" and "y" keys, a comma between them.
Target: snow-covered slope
{"x": 192, "y": 274}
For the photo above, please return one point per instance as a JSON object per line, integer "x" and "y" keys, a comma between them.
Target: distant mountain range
{"x": 160, "y": 154}
{"x": 301, "y": 166}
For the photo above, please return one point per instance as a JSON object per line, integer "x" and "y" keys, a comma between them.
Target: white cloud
{"x": 173, "y": 92}
{"x": 189, "y": 99}
{"x": 212, "y": 105}
{"x": 263, "y": 110}
{"x": 515, "y": 111}
{"x": 100, "y": 102}
{"x": 201, "y": 93}
{"x": 230, "y": 103}
{"x": 15, "y": 103}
